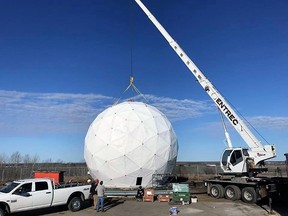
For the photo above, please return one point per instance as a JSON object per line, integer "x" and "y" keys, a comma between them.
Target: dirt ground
{"x": 205, "y": 206}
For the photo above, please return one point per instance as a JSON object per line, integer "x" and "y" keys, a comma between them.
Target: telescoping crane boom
{"x": 234, "y": 160}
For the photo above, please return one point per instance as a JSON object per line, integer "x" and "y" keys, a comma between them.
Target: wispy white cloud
{"x": 25, "y": 113}
{"x": 278, "y": 122}
{"x": 177, "y": 109}
{"x": 257, "y": 125}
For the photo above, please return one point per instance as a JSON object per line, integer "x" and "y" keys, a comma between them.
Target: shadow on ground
{"x": 278, "y": 205}
{"x": 112, "y": 202}
{"x": 109, "y": 203}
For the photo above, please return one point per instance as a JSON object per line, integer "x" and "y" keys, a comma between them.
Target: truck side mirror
{"x": 26, "y": 194}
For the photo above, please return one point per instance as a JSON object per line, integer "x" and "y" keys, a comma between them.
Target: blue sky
{"x": 64, "y": 62}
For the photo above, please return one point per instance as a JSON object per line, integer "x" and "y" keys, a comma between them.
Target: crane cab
{"x": 235, "y": 160}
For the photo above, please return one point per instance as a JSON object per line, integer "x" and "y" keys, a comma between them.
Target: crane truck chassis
{"x": 249, "y": 189}
{"x": 240, "y": 165}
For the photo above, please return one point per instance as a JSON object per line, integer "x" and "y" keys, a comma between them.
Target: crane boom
{"x": 261, "y": 152}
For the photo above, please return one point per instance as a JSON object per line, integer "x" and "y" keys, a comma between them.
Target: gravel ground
{"x": 205, "y": 206}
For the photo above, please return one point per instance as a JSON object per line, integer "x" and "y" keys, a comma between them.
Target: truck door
{"x": 237, "y": 160}
{"x": 42, "y": 195}
{"x": 234, "y": 160}
{"x": 21, "y": 198}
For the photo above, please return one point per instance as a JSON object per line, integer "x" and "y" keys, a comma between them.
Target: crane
{"x": 234, "y": 160}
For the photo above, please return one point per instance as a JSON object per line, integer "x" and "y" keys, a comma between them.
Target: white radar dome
{"x": 129, "y": 142}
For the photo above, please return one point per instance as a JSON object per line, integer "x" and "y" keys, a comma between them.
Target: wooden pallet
{"x": 163, "y": 198}
{"x": 148, "y": 195}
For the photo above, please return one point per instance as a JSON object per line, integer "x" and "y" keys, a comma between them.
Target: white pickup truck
{"x": 30, "y": 194}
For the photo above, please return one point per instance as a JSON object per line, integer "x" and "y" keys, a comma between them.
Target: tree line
{"x": 17, "y": 158}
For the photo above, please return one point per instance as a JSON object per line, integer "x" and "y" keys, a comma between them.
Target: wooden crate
{"x": 148, "y": 195}
{"x": 163, "y": 198}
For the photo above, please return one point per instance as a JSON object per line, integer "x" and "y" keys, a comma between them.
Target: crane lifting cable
{"x": 131, "y": 85}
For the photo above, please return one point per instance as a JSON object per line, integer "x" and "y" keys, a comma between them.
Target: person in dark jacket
{"x": 140, "y": 194}
{"x": 93, "y": 192}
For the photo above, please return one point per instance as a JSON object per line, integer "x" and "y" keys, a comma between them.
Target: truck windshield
{"x": 9, "y": 187}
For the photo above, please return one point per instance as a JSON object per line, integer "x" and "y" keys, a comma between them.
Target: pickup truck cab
{"x": 30, "y": 194}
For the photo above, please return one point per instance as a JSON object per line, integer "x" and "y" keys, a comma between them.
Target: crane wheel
{"x": 249, "y": 195}
{"x": 232, "y": 192}
{"x": 217, "y": 191}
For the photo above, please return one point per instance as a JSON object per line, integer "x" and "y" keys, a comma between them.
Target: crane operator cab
{"x": 236, "y": 161}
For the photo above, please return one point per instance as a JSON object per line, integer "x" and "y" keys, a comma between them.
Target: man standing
{"x": 100, "y": 193}
{"x": 93, "y": 192}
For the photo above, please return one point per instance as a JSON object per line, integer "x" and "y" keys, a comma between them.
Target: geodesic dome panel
{"x": 130, "y": 142}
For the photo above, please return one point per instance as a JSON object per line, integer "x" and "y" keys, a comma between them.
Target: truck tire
{"x": 249, "y": 195}
{"x": 232, "y": 192}
{"x": 75, "y": 204}
{"x": 217, "y": 191}
{"x": 2, "y": 212}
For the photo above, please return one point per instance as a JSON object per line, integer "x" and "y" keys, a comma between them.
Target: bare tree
{"x": 35, "y": 159}
{"x": 49, "y": 160}
{"x": 3, "y": 159}
{"x": 16, "y": 158}
{"x": 26, "y": 159}
{"x": 59, "y": 161}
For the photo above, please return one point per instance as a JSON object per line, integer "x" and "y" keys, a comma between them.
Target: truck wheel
{"x": 249, "y": 195}
{"x": 2, "y": 212}
{"x": 232, "y": 192}
{"x": 75, "y": 204}
{"x": 217, "y": 191}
